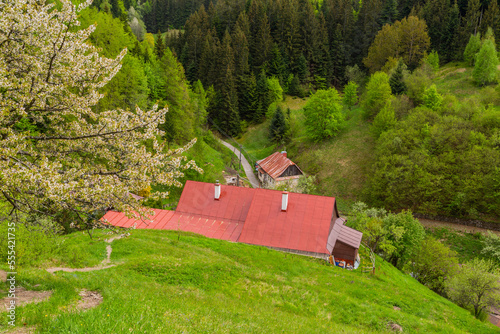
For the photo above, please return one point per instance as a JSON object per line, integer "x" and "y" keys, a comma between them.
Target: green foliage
{"x": 491, "y": 246}
{"x": 433, "y": 264}
{"x": 432, "y": 99}
{"x": 472, "y": 49}
{"x": 485, "y": 67}
{"x": 378, "y": 94}
{"x": 396, "y": 236}
{"x": 432, "y": 60}
{"x": 407, "y": 39}
{"x": 398, "y": 86}
{"x": 278, "y": 126}
{"x": 159, "y": 46}
{"x": 417, "y": 84}
{"x": 324, "y": 116}
{"x": 384, "y": 120}
{"x": 350, "y": 94}
{"x": 475, "y": 286}
{"x": 275, "y": 93}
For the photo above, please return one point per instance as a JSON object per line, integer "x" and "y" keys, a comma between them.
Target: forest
{"x": 226, "y": 65}
{"x": 437, "y": 157}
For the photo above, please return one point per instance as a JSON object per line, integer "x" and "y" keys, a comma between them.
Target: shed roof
{"x": 275, "y": 164}
{"x": 345, "y": 234}
{"x": 303, "y": 226}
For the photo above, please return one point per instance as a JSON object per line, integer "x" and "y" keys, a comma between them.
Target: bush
{"x": 433, "y": 264}
{"x": 416, "y": 84}
{"x": 378, "y": 94}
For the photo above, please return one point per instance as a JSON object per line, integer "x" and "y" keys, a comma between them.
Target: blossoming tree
{"x": 56, "y": 153}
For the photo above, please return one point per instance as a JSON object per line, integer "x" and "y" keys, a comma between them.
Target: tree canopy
{"x": 324, "y": 116}
{"x": 58, "y": 154}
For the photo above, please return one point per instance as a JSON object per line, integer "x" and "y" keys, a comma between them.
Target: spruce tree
{"x": 396, "y": 81}
{"x": 227, "y": 115}
{"x": 389, "y": 12}
{"x": 262, "y": 91}
{"x": 276, "y": 65}
{"x": 278, "y": 126}
{"x": 485, "y": 70}
{"x": 432, "y": 99}
{"x": 159, "y": 46}
{"x": 247, "y": 96}
{"x": 492, "y": 19}
{"x": 451, "y": 39}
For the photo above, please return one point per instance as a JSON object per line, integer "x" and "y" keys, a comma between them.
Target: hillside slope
{"x": 167, "y": 282}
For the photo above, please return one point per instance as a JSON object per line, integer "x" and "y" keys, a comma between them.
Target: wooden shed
{"x": 343, "y": 242}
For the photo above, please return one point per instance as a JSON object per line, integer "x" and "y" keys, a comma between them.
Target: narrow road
{"x": 246, "y": 166}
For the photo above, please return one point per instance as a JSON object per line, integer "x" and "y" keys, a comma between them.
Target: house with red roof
{"x": 276, "y": 169}
{"x": 292, "y": 222}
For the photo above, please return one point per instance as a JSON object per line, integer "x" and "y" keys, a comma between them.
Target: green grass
{"x": 200, "y": 285}
{"x": 467, "y": 245}
{"x": 340, "y": 163}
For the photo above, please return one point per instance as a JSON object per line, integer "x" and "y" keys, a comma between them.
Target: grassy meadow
{"x": 170, "y": 282}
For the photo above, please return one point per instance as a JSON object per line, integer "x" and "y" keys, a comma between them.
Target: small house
{"x": 277, "y": 169}
{"x": 291, "y": 222}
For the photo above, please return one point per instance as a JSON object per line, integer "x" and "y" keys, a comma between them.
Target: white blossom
{"x": 56, "y": 153}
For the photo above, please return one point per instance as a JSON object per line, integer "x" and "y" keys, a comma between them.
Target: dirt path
{"x": 457, "y": 227}
{"x": 246, "y": 166}
{"x": 104, "y": 264}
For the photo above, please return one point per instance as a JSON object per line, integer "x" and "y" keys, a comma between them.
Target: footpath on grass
{"x": 105, "y": 264}
{"x": 244, "y": 162}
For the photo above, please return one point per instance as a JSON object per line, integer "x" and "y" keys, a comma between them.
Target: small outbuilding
{"x": 276, "y": 169}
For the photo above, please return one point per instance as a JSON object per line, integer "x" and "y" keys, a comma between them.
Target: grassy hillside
{"x": 343, "y": 164}
{"x": 340, "y": 164}
{"x": 166, "y": 282}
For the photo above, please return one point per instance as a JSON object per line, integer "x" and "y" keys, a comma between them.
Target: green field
{"x": 166, "y": 282}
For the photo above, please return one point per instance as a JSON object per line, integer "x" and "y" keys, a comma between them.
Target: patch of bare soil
{"x": 22, "y": 330}
{"x": 90, "y": 299}
{"x": 3, "y": 276}
{"x": 460, "y": 70}
{"x": 24, "y": 296}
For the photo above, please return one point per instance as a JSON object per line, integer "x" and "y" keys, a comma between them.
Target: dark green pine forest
{"x": 225, "y": 65}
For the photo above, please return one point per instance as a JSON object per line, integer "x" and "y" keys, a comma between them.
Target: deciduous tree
{"x": 475, "y": 286}
{"x": 324, "y": 116}
{"x": 378, "y": 94}
{"x": 485, "y": 69}
{"x": 68, "y": 157}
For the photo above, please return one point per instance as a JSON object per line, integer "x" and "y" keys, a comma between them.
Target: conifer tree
{"x": 451, "y": 39}
{"x": 294, "y": 87}
{"x": 470, "y": 23}
{"x": 485, "y": 70}
{"x": 337, "y": 56}
{"x": 278, "y": 126}
{"x": 276, "y": 65}
{"x": 226, "y": 115}
{"x": 389, "y": 12}
{"x": 262, "y": 91}
{"x": 247, "y": 96}
{"x": 436, "y": 16}
{"x": 159, "y": 46}
{"x": 492, "y": 19}
{"x": 241, "y": 51}
{"x": 398, "y": 86}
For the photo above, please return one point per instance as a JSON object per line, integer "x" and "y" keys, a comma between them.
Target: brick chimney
{"x": 284, "y": 153}
{"x": 284, "y": 201}
{"x": 217, "y": 190}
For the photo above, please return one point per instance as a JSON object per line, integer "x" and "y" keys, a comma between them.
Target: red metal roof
{"x": 275, "y": 164}
{"x": 251, "y": 216}
{"x": 198, "y": 199}
{"x": 304, "y": 226}
{"x": 158, "y": 219}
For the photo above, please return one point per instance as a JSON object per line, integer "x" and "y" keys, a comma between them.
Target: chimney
{"x": 284, "y": 153}
{"x": 217, "y": 190}
{"x": 284, "y": 201}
